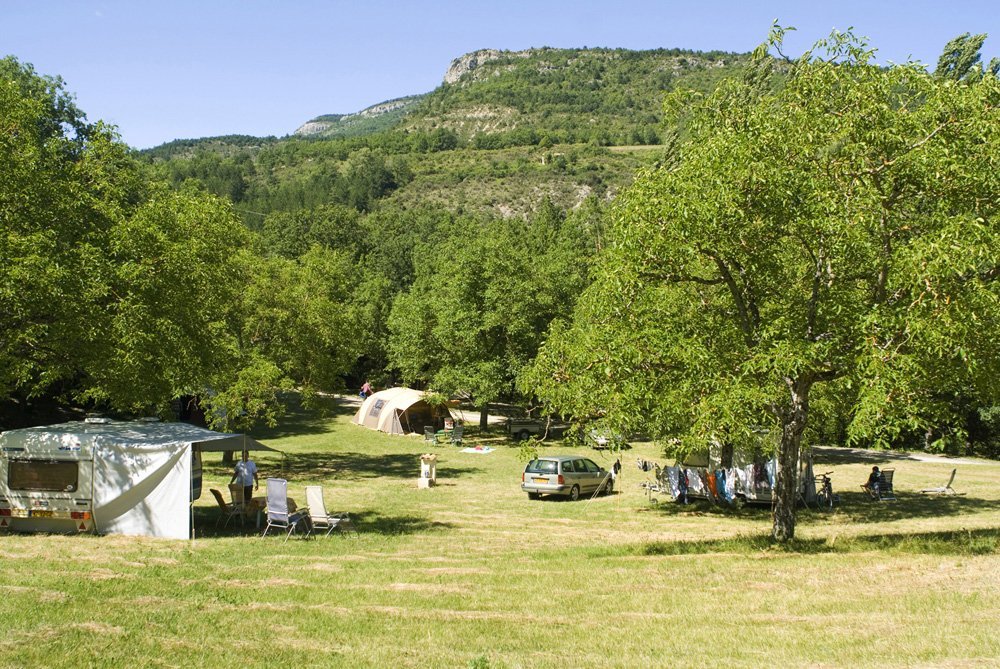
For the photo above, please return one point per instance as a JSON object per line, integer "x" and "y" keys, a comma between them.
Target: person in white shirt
{"x": 246, "y": 475}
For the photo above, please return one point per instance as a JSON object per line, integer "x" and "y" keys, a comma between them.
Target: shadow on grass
{"x": 855, "y": 507}
{"x": 958, "y": 542}
{"x": 343, "y": 466}
{"x": 838, "y": 455}
{"x": 860, "y": 509}
{"x": 300, "y": 419}
{"x": 347, "y": 466}
{"x": 365, "y": 522}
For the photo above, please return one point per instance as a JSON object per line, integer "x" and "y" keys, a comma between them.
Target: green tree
{"x": 122, "y": 293}
{"x": 474, "y": 317}
{"x": 297, "y": 329}
{"x": 842, "y": 228}
{"x": 961, "y": 58}
{"x": 160, "y": 295}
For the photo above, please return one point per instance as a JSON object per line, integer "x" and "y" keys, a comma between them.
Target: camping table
{"x": 258, "y": 505}
{"x": 442, "y": 435}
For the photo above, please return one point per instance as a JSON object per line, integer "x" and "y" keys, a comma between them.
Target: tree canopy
{"x": 482, "y": 300}
{"x": 122, "y": 293}
{"x": 839, "y": 232}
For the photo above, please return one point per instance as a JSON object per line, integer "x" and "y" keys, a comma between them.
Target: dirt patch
{"x": 435, "y": 588}
{"x": 43, "y": 595}
{"x": 94, "y": 627}
{"x": 455, "y": 570}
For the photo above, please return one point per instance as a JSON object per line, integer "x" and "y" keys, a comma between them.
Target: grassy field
{"x": 473, "y": 574}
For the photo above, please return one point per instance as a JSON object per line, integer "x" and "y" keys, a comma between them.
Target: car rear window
{"x": 542, "y": 466}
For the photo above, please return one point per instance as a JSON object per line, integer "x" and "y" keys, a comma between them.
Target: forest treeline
{"x": 434, "y": 253}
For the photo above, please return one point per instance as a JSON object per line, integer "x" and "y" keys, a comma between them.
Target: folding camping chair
{"x": 321, "y": 520}
{"x": 456, "y": 435}
{"x": 946, "y": 489}
{"x": 430, "y": 436}
{"x": 882, "y": 491}
{"x": 236, "y": 493}
{"x": 226, "y": 511}
{"x": 277, "y": 510}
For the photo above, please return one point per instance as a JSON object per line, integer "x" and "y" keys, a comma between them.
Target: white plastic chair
{"x": 946, "y": 489}
{"x": 321, "y": 520}
{"x": 277, "y": 510}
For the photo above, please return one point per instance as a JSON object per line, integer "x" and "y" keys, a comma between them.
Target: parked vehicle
{"x": 565, "y": 475}
{"x": 523, "y": 428}
{"x": 602, "y": 439}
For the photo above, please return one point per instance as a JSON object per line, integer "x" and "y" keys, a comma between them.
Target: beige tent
{"x": 400, "y": 411}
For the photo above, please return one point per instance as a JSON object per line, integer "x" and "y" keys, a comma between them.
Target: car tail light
{"x": 4, "y": 512}
{"x": 522, "y": 477}
{"x": 80, "y": 515}
{"x": 562, "y": 481}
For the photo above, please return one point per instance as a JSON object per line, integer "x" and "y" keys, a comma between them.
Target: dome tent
{"x": 400, "y": 411}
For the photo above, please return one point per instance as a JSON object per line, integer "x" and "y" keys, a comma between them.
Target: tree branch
{"x": 668, "y": 277}
{"x": 888, "y": 163}
{"x": 748, "y": 316}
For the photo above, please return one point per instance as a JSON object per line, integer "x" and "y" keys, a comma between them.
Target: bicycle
{"x": 825, "y": 499}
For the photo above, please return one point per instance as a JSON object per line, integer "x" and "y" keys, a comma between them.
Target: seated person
{"x": 874, "y": 482}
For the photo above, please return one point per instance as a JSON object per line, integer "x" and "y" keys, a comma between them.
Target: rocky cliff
{"x": 475, "y": 60}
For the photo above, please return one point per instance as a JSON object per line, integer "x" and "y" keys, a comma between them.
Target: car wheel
{"x": 533, "y": 495}
{"x": 523, "y": 435}
{"x": 574, "y": 493}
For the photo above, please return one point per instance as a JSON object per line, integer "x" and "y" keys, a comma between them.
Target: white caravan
{"x": 106, "y": 477}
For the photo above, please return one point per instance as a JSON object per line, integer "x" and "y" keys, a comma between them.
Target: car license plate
{"x": 41, "y": 513}
{"x": 541, "y": 480}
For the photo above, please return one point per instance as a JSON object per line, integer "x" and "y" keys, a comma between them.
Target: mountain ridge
{"x": 531, "y": 67}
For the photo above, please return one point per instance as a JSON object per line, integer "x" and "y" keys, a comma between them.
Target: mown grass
{"x": 473, "y": 574}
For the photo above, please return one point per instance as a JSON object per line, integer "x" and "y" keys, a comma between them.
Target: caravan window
{"x": 48, "y": 475}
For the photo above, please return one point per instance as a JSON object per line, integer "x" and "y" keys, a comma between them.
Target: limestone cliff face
{"x": 322, "y": 124}
{"x": 475, "y": 60}
{"x": 312, "y": 128}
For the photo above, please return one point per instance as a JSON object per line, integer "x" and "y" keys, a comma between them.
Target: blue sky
{"x": 184, "y": 69}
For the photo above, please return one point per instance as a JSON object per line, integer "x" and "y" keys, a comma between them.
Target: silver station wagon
{"x": 569, "y": 475}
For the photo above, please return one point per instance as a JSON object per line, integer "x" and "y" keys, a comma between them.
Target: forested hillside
{"x": 500, "y": 177}
{"x": 505, "y": 131}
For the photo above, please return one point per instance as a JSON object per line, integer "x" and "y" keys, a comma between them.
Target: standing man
{"x": 245, "y": 474}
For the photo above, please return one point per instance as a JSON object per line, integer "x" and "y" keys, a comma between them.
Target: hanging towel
{"x": 772, "y": 465}
{"x": 744, "y": 476}
{"x": 695, "y": 483}
{"x": 713, "y": 492}
{"x": 720, "y": 486}
{"x": 731, "y": 485}
{"x": 673, "y": 481}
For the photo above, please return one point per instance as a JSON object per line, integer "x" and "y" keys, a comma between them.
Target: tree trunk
{"x": 484, "y": 416}
{"x": 787, "y": 485}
